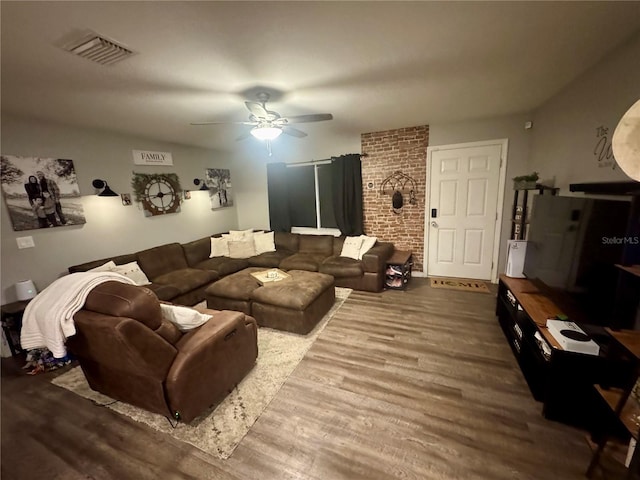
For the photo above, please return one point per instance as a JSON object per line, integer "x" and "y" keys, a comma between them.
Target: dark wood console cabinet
{"x": 561, "y": 380}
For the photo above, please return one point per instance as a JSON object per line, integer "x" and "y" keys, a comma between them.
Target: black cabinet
{"x": 561, "y": 380}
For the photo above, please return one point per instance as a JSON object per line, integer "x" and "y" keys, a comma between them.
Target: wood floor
{"x": 419, "y": 384}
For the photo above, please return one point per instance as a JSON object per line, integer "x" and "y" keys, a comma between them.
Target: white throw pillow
{"x": 185, "y": 318}
{"x": 351, "y": 247}
{"x": 243, "y": 249}
{"x": 219, "y": 247}
{"x": 133, "y": 271}
{"x": 240, "y": 235}
{"x": 107, "y": 267}
{"x": 367, "y": 244}
{"x": 264, "y": 242}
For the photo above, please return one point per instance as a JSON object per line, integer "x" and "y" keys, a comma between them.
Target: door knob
{"x": 434, "y": 224}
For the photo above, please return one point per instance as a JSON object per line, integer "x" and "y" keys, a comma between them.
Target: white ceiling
{"x": 373, "y": 65}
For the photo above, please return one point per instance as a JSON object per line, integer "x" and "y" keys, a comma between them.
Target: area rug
{"x": 460, "y": 284}
{"x": 219, "y": 430}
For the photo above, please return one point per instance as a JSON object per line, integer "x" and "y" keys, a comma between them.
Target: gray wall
{"x": 560, "y": 146}
{"x": 565, "y": 128}
{"x": 111, "y": 228}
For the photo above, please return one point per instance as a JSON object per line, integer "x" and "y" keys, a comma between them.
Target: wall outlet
{"x": 25, "y": 242}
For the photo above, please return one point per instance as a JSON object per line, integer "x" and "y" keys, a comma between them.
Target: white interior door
{"x": 463, "y": 210}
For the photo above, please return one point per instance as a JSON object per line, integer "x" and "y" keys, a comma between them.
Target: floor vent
{"x": 100, "y": 50}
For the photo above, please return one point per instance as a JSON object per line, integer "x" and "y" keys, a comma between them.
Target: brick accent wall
{"x": 403, "y": 150}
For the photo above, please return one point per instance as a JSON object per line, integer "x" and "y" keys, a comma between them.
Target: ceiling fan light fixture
{"x": 266, "y": 132}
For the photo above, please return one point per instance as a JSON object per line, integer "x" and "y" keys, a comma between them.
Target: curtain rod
{"x": 321, "y": 160}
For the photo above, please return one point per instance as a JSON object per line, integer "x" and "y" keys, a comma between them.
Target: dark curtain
{"x": 278, "y": 192}
{"x": 302, "y": 196}
{"x": 347, "y": 193}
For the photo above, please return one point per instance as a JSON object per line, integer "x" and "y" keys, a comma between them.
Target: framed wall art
{"x": 41, "y": 192}
{"x": 218, "y": 180}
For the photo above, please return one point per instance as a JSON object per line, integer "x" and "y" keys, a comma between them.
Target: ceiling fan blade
{"x": 314, "y": 117}
{"x": 224, "y": 123}
{"x": 244, "y": 136}
{"x": 257, "y": 109}
{"x": 293, "y": 132}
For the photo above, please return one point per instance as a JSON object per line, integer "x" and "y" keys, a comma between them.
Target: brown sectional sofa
{"x": 180, "y": 273}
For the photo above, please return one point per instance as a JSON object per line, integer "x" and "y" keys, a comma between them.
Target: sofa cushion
{"x": 187, "y": 279}
{"x": 351, "y": 247}
{"x": 338, "y": 267}
{"x": 132, "y": 271}
{"x": 303, "y": 261}
{"x": 223, "y": 265}
{"x": 264, "y": 242}
{"x": 367, "y": 244}
{"x": 164, "y": 292}
{"x": 125, "y": 300}
{"x": 184, "y": 318}
{"x": 169, "y": 331}
{"x": 118, "y": 260}
{"x": 107, "y": 267}
{"x": 316, "y": 244}
{"x": 162, "y": 260}
{"x": 286, "y": 241}
{"x": 241, "y": 249}
{"x": 241, "y": 235}
{"x": 197, "y": 250}
{"x": 219, "y": 247}
{"x": 269, "y": 259}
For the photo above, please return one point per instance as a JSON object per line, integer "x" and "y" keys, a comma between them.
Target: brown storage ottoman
{"x": 296, "y": 304}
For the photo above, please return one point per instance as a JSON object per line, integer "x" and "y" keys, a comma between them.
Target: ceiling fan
{"x": 267, "y": 124}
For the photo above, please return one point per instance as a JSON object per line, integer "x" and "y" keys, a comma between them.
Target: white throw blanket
{"x": 48, "y": 318}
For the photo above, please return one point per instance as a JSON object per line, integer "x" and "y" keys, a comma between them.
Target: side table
{"x": 398, "y": 272}
{"x": 11, "y": 319}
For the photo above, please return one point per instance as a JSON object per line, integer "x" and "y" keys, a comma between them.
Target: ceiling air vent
{"x": 100, "y": 50}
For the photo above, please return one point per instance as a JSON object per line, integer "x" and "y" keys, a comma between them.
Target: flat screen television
{"x": 573, "y": 246}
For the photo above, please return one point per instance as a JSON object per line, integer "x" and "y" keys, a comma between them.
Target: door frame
{"x": 504, "y": 144}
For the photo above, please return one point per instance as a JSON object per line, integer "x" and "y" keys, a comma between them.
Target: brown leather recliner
{"x": 128, "y": 352}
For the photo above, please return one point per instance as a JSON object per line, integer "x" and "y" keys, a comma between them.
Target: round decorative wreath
{"x": 140, "y": 180}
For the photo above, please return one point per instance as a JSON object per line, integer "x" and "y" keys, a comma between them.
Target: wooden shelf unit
{"x": 621, "y": 402}
{"x": 630, "y": 411}
{"x": 520, "y": 210}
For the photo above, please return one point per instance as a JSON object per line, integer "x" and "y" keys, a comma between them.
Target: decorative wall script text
{"x": 143, "y": 157}
{"x": 603, "y": 150}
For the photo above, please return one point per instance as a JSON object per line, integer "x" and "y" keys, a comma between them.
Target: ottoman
{"x": 296, "y": 304}
{"x": 233, "y": 292}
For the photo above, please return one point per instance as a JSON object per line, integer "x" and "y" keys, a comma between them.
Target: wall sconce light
{"x": 102, "y": 184}
{"x": 197, "y": 181}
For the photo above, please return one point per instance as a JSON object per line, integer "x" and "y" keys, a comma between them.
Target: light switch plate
{"x": 25, "y": 242}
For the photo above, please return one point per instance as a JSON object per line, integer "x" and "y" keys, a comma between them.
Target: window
{"x": 303, "y": 195}
{"x": 310, "y": 196}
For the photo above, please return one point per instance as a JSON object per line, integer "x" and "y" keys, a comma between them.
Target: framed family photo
{"x": 219, "y": 182}
{"x": 41, "y": 192}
